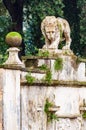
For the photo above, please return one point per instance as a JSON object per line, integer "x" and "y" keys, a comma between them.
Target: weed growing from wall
{"x": 43, "y": 67}
{"x": 50, "y": 115}
{"x": 58, "y": 64}
{"x": 43, "y": 53}
{"x": 48, "y": 77}
{"x": 84, "y": 115}
{"x": 30, "y": 79}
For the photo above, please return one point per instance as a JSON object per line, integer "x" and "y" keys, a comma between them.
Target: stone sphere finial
{"x": 13, "y": 39}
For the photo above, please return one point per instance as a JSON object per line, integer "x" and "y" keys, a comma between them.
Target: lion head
{"x": 50, "y": 29}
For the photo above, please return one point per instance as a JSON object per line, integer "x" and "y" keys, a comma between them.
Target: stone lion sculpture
{"x": 54, "y": 30}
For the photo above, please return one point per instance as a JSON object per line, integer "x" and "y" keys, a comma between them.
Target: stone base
{"x": 13, "y": 59}
{"x": 71, "y": 70}
{"x": 54, "y": 52}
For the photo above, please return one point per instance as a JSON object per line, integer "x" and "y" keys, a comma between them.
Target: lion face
{"x": 50, "y": 32}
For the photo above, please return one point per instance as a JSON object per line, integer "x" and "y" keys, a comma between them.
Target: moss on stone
{"x": 12, "y": 34}
{"x": 58, "y": 64}
{"x": 13, "y": 39}
{"x": 50, "y": 115}
{"x": 54, "y": 83}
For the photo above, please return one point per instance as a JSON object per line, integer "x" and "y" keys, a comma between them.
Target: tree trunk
{"x": 15, "y": 9}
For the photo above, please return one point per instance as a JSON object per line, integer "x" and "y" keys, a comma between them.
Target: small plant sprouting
{"x": 58, "y": 64}
{"x": 50, "y": 115}
{"x": 43, "y": 67}
{"x": 48, "y": 77}
{"x": 30, "y": 79}
{"x": 84, "y": 111}
{"x": 84, "y": 115}
{"x": 43, "y": 53}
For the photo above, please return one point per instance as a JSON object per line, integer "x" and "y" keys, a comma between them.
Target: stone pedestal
{"x": 13, "y": 58}
{"x": 71, "y": 70}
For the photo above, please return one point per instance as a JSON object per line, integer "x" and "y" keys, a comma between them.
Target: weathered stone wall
{"x": 22, "y": 105}
{"x": 67, "y": 91}
{"x": 9, "y": 99}
{"x": 69, "y": 98}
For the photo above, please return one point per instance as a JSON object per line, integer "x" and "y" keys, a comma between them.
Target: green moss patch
{"x": 58, "y": 64}
{"x": 13, "y": 39}
{"x": 13, "y": 34}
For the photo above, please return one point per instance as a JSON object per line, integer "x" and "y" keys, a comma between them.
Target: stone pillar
{"x": 11, "y": 91}
{"x": 11, "y": 100}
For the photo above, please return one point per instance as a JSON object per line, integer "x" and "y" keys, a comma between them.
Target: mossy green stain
{"x": 13, "y": 34}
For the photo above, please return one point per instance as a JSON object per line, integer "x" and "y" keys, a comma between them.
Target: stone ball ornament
{"x": 13, "y": 39}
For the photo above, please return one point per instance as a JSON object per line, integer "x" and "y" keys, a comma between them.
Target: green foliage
{"x": 30, "y": 48}
{"x": 30, "y": 79}
{"x": 84, "y": 115}
{"x": 71, "y": 14}
{"x": 3, "y": 58}
{"x": 43, "y": 53}
{"x": 50, "y": 115}
{"x": 34, "y": 13}
{"x": 82, "y": 21}
{"x": 58, "y": 64}
{"x": 48, "y": 77}
{"x": 75, "y": 13}
{"x": 43, "y": 67}
{"x": 2, "y": 8}
{"x": 13, "y": 1}
{"x": 4, "y": 29}
{"x": 4, "y": 25}
{"x": 47, "y": 106}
